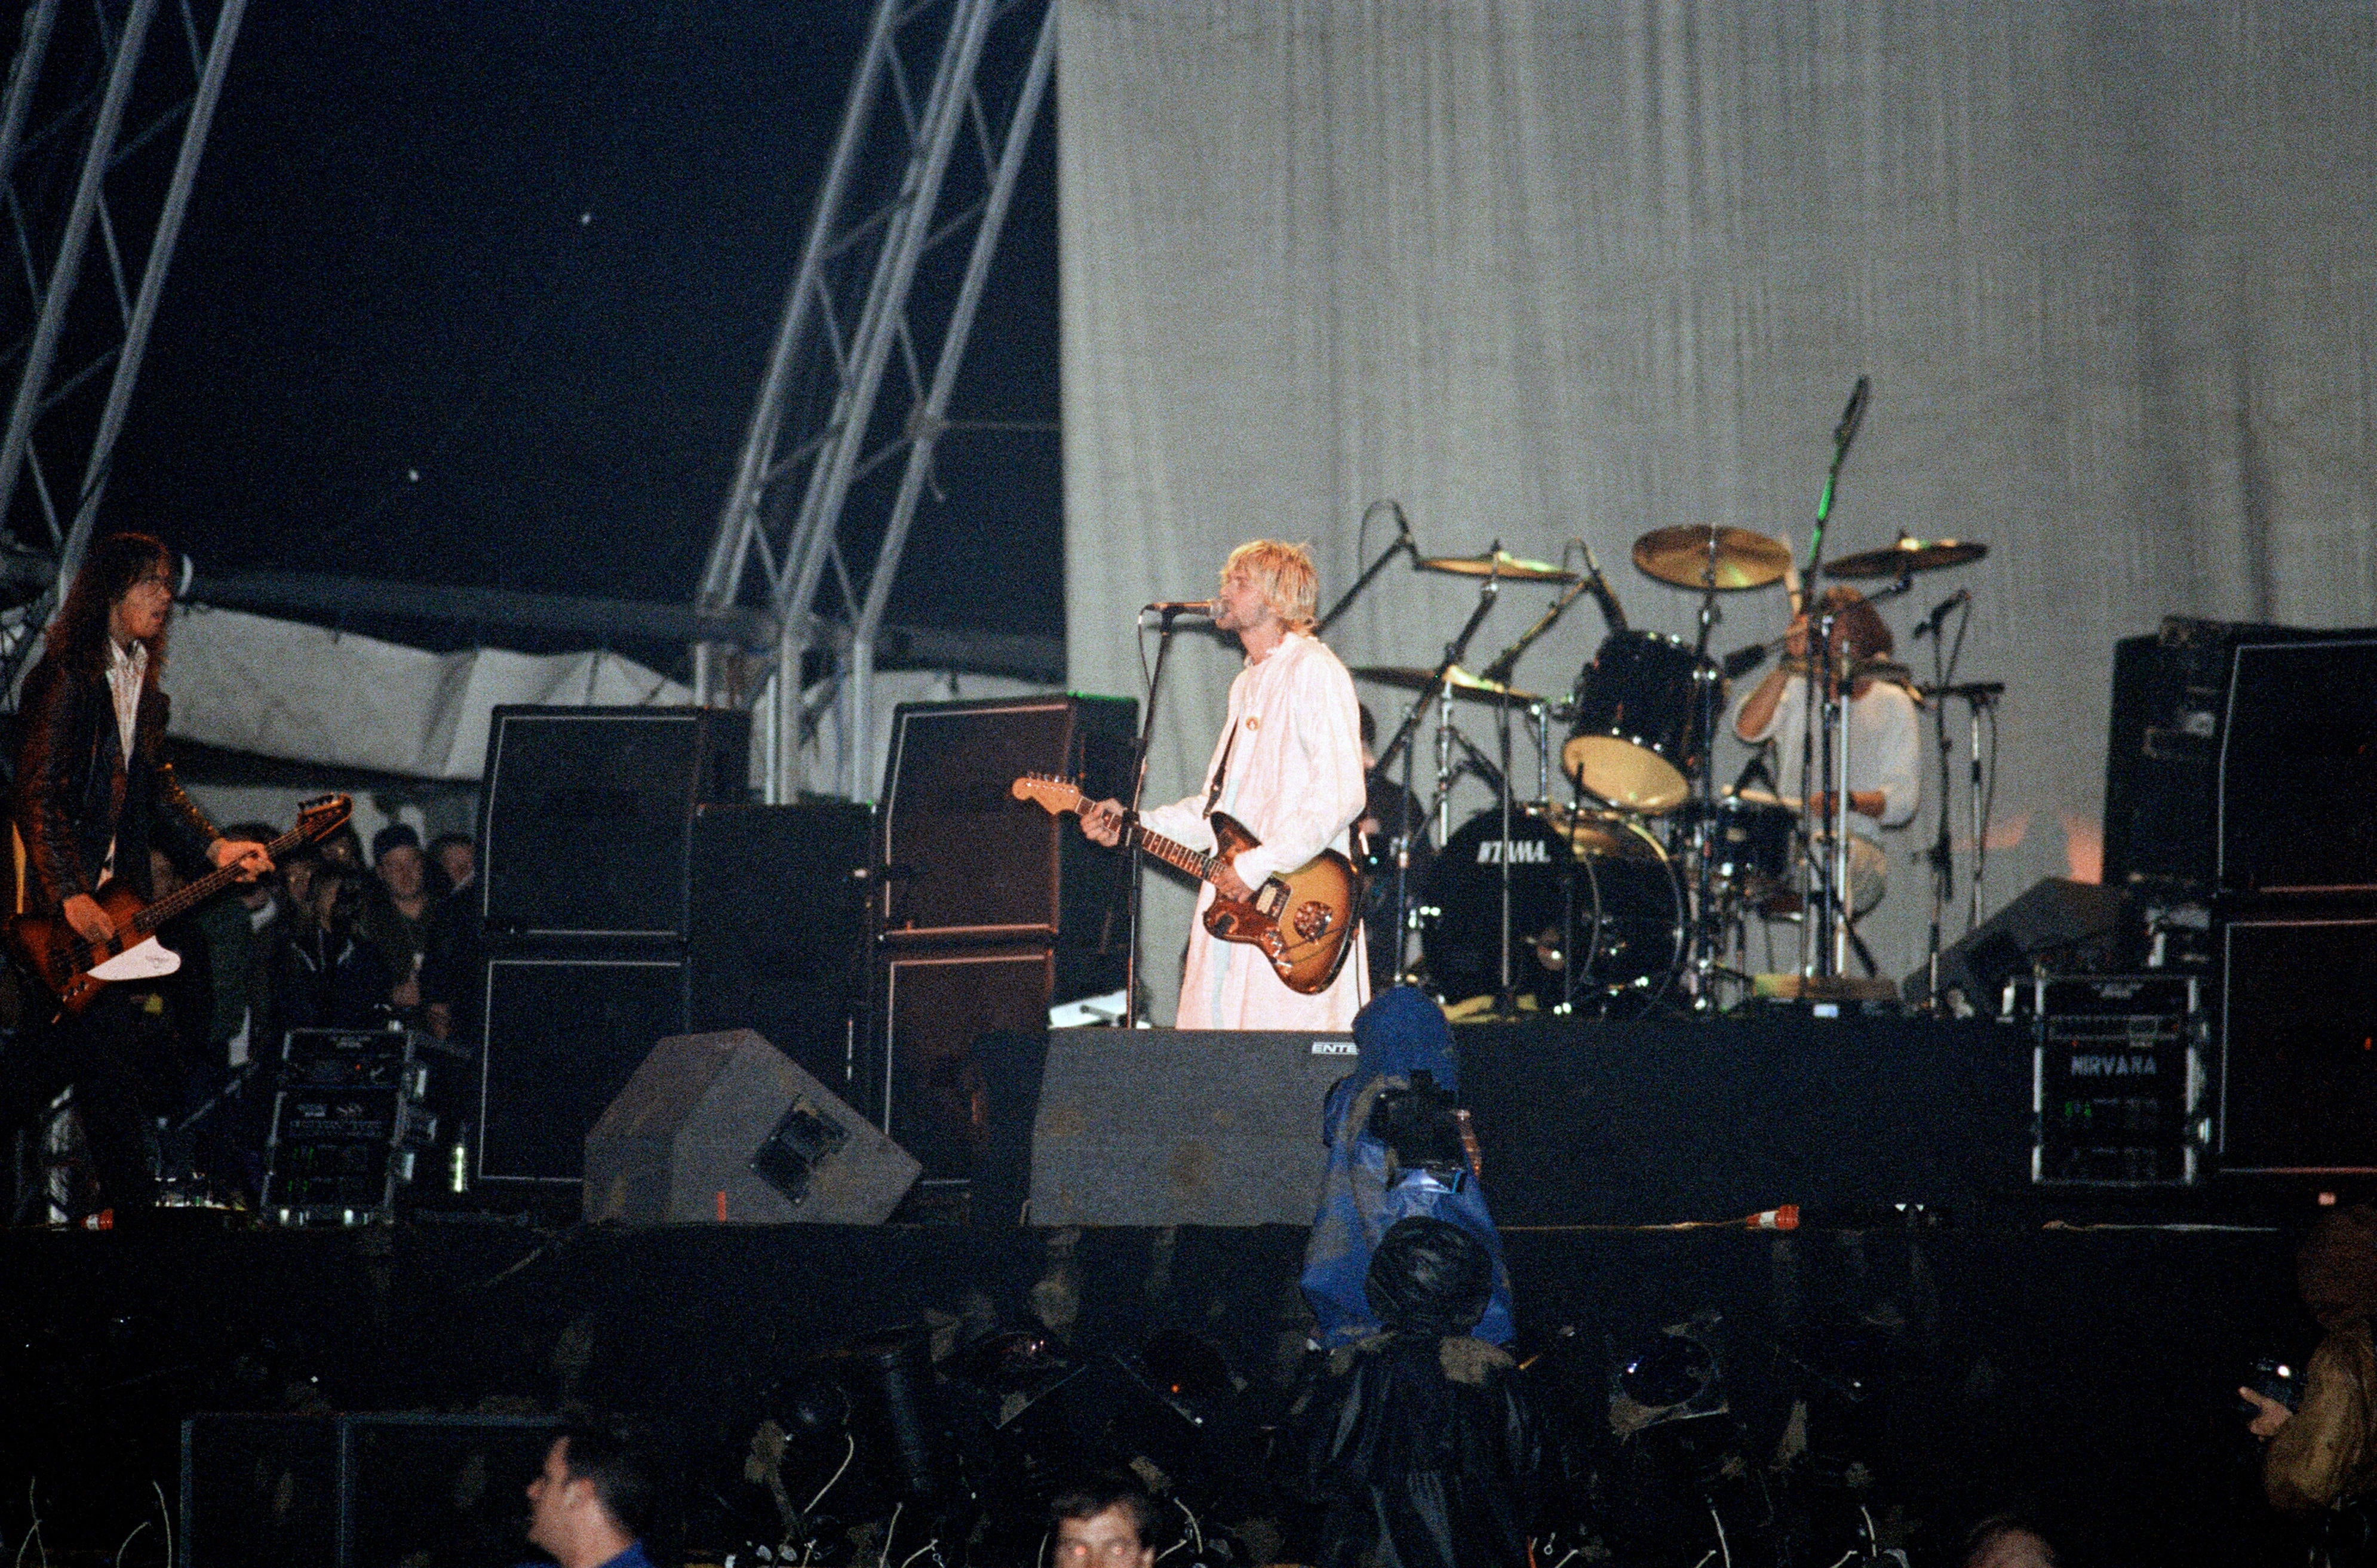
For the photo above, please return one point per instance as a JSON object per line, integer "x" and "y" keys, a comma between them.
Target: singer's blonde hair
{"x": 1284, "y": 575}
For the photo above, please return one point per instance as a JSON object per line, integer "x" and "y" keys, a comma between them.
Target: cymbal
{"x": 1412, "y": 678}
{"x": 1497, "y": 564}
{"x": 1906, "y": 555}
{"x": 1680, "y": 556}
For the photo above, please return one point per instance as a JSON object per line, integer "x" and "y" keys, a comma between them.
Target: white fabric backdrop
{"x": 1547, "y": 269}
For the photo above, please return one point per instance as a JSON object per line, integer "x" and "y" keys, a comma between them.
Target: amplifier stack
{"x": 2240, "y": 817}
{"x": 987, "y": 911}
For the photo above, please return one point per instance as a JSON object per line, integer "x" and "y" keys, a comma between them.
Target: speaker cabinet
{"x": 977, "y": 864}
{"x": 960, "y": 1063}
{"x": 2299, "y": 768}
{"x": 585, "y": 815}
{"x": 2238, "y": 759}
{"x": 565, "y": 1033}
{"x": 2298, "y": 1040}
{"x": 723, "y": 1127}
{"x": 778, "y": 942}
{"x": 1182, "y": 1127}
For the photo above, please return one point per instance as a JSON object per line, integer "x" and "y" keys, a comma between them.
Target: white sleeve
{"x": 1327, "y": 733}
{"x": 1897, "y": 743}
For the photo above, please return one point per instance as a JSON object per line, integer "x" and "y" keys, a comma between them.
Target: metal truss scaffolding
{"x": 100, "y": 140}
{"x": 865, "y": 359}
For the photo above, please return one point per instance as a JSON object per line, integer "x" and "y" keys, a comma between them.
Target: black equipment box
{"x": 354, "y": 1491}
{"x": 2118, "y": 1080}
{"x": 348, "y": 1126}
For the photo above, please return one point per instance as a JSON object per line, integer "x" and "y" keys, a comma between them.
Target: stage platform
{"x": 2078, "y": 1359}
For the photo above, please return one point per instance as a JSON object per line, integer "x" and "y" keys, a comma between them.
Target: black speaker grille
{"x": 586, "y": 813}
{"x": 564, "y": 1036}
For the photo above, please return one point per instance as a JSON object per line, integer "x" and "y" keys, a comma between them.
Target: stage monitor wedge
{"x": 725, "y": 1128}
{"x": 1183, "y": 1126}
{"x": 585, "y": 815}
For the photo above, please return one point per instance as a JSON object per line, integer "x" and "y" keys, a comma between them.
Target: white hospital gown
{"x": 1296, "y": 782}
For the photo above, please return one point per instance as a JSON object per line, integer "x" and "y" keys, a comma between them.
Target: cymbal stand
{"x": 1707, "y": 929}
{"x": 1441, "y": 692}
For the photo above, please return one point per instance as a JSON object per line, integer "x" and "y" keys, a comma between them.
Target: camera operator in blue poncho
{"x": 1395, "y": 1150}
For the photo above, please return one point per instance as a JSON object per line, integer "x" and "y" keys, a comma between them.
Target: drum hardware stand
{"x": 1438, "y": 690}
{"x": 1403, "y": 545}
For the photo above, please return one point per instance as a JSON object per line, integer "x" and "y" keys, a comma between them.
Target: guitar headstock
{"x": 323, "y": 815}
{"x": 1050, "y": 793}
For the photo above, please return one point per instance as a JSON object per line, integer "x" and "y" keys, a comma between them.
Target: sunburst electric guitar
{"x": 75, "y": 970}
{"x": 1302, "y": 921}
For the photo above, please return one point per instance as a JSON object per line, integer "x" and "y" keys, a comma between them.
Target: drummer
{"x": 1884, "y": 741}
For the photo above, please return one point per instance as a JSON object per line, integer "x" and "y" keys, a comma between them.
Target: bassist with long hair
{"x": 94, "y": 795}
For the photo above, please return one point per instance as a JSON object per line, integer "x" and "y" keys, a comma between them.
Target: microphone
{"x": 1179, "y": 607}
{"x": 1930, "y": 624}
{"x": 1854, "y": 415}
{"x": 1741, "y": 661}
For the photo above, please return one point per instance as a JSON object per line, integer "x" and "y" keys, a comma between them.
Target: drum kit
{"x": 1638, "y": 890}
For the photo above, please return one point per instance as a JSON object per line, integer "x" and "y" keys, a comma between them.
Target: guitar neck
{"x": 193, "y": 894}
{"x": 1169, "y": 850}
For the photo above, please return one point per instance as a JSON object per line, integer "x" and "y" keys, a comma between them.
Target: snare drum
{"x": 1639, "y": 721}
{"x": 1750, "y": 847}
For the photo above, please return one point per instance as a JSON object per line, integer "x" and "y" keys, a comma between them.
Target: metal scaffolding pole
{"x": 856, "y": 310}
{"x": 60, "y": 336}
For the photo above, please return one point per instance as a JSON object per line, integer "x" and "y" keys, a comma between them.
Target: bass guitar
{"x": 1302, "y": 921}
{"x": 64, "y": 960}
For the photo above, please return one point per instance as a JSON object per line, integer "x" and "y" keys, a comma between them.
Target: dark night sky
{"x": 385, "y": 270}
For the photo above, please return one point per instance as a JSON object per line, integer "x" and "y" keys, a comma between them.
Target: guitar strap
{"x": 1220, "y": 771}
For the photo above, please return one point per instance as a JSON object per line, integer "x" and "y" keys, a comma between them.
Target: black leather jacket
{"x": 75, "y": 789}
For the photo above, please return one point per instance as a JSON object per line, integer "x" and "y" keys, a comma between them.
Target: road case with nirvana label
{"x": 2118, "y": 1080}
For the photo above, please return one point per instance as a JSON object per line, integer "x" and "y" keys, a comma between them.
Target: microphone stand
{"x": 1819, "y": 657}
{"x": 1138, "y": 788}
{"x": 1403, "y": 543}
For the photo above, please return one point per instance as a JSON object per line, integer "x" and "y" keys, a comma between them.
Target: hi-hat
{"x": 1738, "y": 559}
{"x": 1412, "y": 678}
{"x": 1906, "y": 555}
{"x": 1497, "y": 564}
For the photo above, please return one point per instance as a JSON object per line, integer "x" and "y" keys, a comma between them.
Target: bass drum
{"x": 1461, "y": 916}
{"x": 1629, "y": 909}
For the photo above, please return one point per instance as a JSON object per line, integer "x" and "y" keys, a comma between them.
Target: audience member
{"x": 251, "y": 918}
{"x": 1421, "y": 1447}
{"x": 2322, "y": 1455}
{"x": 452, "y": 959}
{"x": 327, "y": 975}
{"x": 396, "y": 919}
{"x": 1394, "y": 1149}
{"x": 2004, "y": 1541}
{"x": 591, "y": 1504}
{"x": 343, "y": 846}
{"x": 455, "y": 859}
{"x": 1110, "y": 1523}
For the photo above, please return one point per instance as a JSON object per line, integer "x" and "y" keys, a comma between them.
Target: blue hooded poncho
{"x": 1400, "y": 1032}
